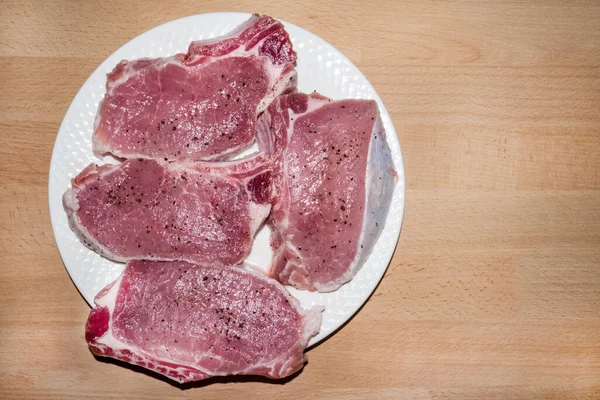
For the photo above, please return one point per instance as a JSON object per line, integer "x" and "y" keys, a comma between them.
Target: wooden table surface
{"x": 494, "y": 290}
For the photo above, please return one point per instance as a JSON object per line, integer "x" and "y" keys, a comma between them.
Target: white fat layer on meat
{"x": 279, "y": 83}
{"x": 281, "y": 366}
{"x": 253, "y": 162}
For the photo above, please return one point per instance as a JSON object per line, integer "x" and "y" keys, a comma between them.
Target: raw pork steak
{"x": 146, "y": 209}
{"x": 335, "y": 182}
{"x": 189, "y": 322}
{"x": 201, "y": 105}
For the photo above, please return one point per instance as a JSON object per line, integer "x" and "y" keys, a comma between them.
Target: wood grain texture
{"x": 494, "y": 291}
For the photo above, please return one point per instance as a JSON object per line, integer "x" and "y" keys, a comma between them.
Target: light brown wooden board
{"x": 494, "y": 289}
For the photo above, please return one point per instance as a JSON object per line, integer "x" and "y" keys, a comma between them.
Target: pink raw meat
{"x": 189, "y": 322}
{"x": 198, "y": 106}
{"x": 147, "y": 209}
{"x": 335, "y": 180}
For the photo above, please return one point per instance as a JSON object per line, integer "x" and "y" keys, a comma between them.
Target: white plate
{"x": 320, "y": 67}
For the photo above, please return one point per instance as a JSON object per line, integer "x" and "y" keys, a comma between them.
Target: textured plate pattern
{"x": 320, "y": 67}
